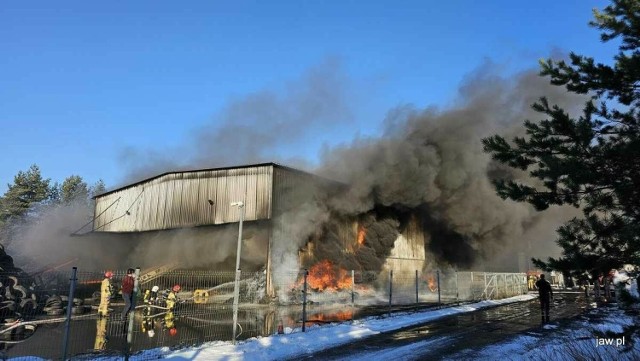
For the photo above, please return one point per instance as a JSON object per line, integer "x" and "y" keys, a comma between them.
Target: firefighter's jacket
{"x": 171, "y": 300}
{"x": 150, "y": 297}
{"x": 105, "y": 297}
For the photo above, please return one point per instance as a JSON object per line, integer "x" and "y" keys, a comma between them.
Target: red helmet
{"x": 176, "y": 288}
{"x": 108, "y": 274}
{"x": 173, "y": 331}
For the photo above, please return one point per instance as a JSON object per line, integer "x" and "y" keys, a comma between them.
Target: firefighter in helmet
{"x": 151, "y": 296}
{"x": 105, "y": 294}
{"x": 172, "y": 298}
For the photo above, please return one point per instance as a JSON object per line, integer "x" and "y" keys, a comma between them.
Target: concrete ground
{"x": 453, "y": 334}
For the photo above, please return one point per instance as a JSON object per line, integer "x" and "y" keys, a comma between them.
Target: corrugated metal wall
{"x": 181, "y": 199}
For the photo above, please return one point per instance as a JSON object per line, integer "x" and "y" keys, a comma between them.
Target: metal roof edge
{"x": 273, "y": 164}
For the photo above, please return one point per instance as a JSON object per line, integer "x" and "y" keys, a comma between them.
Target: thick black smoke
{"x": 431, "y": 161}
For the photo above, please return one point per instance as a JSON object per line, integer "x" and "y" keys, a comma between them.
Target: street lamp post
{"x": 236, "y": 287}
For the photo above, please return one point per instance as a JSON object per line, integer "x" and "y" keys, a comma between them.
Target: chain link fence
{"x": 56, "y": 315}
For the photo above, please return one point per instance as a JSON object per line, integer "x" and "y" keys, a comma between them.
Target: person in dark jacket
{"x": 127, "y": 292}
{"x": 546, "y": 295}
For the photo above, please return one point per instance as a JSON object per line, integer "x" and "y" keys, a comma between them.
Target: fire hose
{"x": 31, "y": 326}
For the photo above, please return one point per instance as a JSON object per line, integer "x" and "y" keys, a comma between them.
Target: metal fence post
{"x": 353, "y": 285}
{"x": 304, "y": 301}
{"x": 67, "y": 327}
{"x": 438, "y": 280}
{"x": 390, "y": 289}
{"x": 416, "y": 286}
{"x": 485, "y": 286}
{"x": 236, "y": 284}
{"x": 457, "y": 288}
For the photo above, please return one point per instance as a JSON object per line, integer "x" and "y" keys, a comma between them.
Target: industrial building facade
{"x": 202, "y": 198}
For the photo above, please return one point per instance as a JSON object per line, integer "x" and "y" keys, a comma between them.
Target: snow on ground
{"x": 579, "y": 339}
{"x": 317, "y": 338}
{"x": 596, "y": 336}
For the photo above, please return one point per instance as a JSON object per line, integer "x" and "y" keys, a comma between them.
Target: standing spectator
{"x": 596, "y": 287}
{"x": 607, "y": 286}
{"x": 585, "y": 283}
{"x": 546, "y": 294}
{"x": 127, "y": 292}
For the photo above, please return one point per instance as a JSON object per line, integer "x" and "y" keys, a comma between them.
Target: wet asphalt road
{"x": 443, "y": 338}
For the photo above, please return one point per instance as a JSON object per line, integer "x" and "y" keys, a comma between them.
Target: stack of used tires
{"x": 56, "y": 305}
{"x": 53, "y": 306}
{"x": 17, "y": 296}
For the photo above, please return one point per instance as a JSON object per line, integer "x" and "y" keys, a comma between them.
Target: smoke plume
{"x": 254, "y": 128}
{"x": 427, "y": 164}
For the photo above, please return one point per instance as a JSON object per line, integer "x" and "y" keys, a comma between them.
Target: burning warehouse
{"x": 419, "y": 196}
{"x": 186, "y": 219}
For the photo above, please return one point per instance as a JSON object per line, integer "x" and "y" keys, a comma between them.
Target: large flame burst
{"x": 324, "y": 276}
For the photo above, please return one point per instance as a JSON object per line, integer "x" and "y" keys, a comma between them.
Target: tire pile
{"x": 17, "y": 290}
{"x": 55, "y": 305}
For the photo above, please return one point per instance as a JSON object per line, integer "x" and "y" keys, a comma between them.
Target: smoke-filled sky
{"x": 390, "y": 98}
{"x": 106, "y": 90}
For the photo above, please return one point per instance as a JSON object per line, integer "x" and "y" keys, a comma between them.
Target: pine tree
{"x": 74, "y": 191}
{"x": 591, "y": 161}
{"x": 28, "y": 190}
{"x": 97, "y": 188}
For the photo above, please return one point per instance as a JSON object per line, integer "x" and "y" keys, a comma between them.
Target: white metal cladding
{"x": 186, "y": 199}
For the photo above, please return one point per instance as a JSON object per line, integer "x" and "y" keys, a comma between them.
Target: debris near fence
{"x": 18, "y": 291}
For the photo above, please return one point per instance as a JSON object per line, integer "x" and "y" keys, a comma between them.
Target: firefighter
{"x": 169, "y": 319}
{"x": 532, "y": 281}
{"x": 148, "y": 325}
{"x": 168, "y": 323}
{"x": 105, "y": 294}
{"x": 151, "y": 296}
{"x": 101, "y": 334}
{"x": 172, "y": 298}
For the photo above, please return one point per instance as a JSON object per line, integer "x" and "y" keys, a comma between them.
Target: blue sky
{"x": 82, "y": 81}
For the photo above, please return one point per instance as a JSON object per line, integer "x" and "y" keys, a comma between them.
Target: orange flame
{"x": 339, "y": 316}
{"x": 432, "y": 284}
{"x": 324, "y": 276}
{"x": 362, "y": 233}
